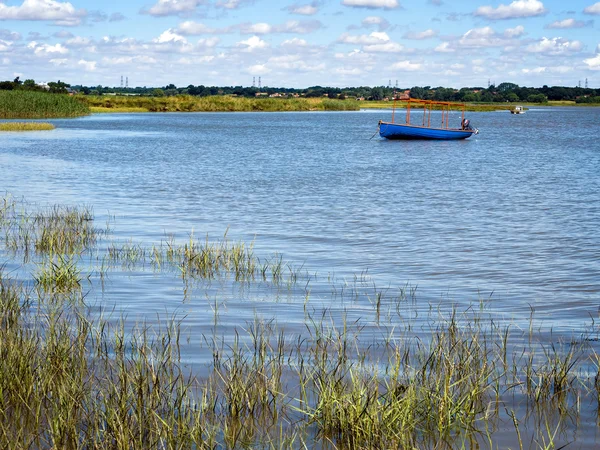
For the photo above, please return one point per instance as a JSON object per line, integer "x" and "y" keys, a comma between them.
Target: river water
{"x": 507, "y": 220}
{"x": 510, "y": 215}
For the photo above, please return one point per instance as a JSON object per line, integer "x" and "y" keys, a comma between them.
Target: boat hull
{"x": 399, "y": 131}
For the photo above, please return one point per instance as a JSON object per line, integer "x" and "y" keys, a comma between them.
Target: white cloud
{"x": 554, "y": 69}
{"x": 4, "y": 45}
{"x": 299, "y": 27}
{"x": 444, "y": 47}
{"x": 190, "y": 61}
{"x": 78, "y": 41}
{"x": 258, "y": 69}
{"x": 304, "y": 10}
{"x": 173, "y": 7}
{"x": 252, "y": 44}
{"x": 593, "y": 63}
{"x": 59, "y": 62}
{"x": 347, "y": 71}
{"x": 387, "y": 47}
{"x": 291, "y": 26}
{"x": 569, "y": 23}
{"x": 554, "y": 46}
{"x": 427, "y": 34}
{"x": 89, "y": 66}
{"x": 387, "y": 4}
{"x": 374, "y": 20}
{"x": 190, "y": 27}
{"x": 229, "y": 4}
{"x": 374, "y": 38}
{"x": 295, "y": 42}
{"x": 480, "y": 37}
{"x": 256, "y": 28}
{"x": 515, "y": 32}
{"x": 47, "y": 49}
{"x": 61, "y": 13}
{"x": 208, "y": 42}
{"x": 593, "y": 9}
{"x": 295, "y": 63}
{"x": 356, "y": 57}
{"x": 169, "y": 36}
{"x": 129, "y": 60}
{"x": 517, "y": 9}
{"x": 407, "y": 66}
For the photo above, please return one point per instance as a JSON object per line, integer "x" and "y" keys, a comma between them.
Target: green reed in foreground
{"x": 69, "y": 382}
{"x": 26, "y": 126}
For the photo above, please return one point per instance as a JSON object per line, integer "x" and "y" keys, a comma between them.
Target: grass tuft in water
{"x": 26, "y": 126}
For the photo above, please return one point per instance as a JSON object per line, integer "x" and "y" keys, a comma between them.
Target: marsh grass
{"x": 55, "y": 230}
{"x": 59, "y": 274}
{"x": 71, "y": 378}
{"x": 205, "y": 259}
{"x": 67, "y": 381}
{"x": 187, "y": 103}
{"x": 118, "y": 109}
{"x": 26, "y": 126}
{"x": 39, "y": 105}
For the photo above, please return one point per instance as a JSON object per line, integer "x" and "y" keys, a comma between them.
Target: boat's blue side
{"x": 399, "y": 131}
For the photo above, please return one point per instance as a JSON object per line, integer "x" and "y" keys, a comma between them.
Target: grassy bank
{"x": 469, "y": 106}
{"x": 39, "y": 105}
{"x": 70, "y": 378}
{"x": 26, "y": 126}
{"x": 187, "y": 103}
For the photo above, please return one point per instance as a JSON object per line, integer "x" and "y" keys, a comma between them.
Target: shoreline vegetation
{"x": 71, "y": 379}
{"x": 20, "y": 104}
{"x": 39, "y": 105}
{"x": 26, "y": 126}
{"x": 189, "y": 103}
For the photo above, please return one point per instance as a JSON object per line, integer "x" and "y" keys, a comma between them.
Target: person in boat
{"x": 466, "y": 124}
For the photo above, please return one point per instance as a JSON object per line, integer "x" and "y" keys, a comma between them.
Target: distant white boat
{"x": 517, "y": 110}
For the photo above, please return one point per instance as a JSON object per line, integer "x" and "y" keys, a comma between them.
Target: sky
{"x": 302, "y": 43}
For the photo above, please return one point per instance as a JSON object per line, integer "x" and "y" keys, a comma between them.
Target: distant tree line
{"x": 508, "y": 92}
{"x": 54, "y": 87}
{"x": 504, "y": 92}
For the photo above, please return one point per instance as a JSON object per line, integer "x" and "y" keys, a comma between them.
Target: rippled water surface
{"x": 377, "y": 232}
{"x": 510, "y": 215}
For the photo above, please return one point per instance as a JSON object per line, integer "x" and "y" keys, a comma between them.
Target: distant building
{"x": 405, "y": 95}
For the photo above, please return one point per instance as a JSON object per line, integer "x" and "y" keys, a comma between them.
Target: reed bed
{"x": 69, "y": 381}
{"x": 72, "y": 378}
{"x": 39, "y": 105}
{"x": 26, "y": 126}
{"x": 187, "y": 103}
{"x": 54, "y": 230}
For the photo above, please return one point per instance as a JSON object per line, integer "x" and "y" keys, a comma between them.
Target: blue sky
{"x": 300, "y": 43}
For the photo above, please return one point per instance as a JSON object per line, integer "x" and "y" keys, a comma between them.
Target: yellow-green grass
{"x": 118, "y": 109}
{"x": 39, "y": 105}
{"x": 26, "y": 126}
{"x": 370, "y": 104}
{"x": 188, "y": 103}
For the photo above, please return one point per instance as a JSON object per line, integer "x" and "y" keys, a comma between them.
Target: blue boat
{"x": 424, "y": 130}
